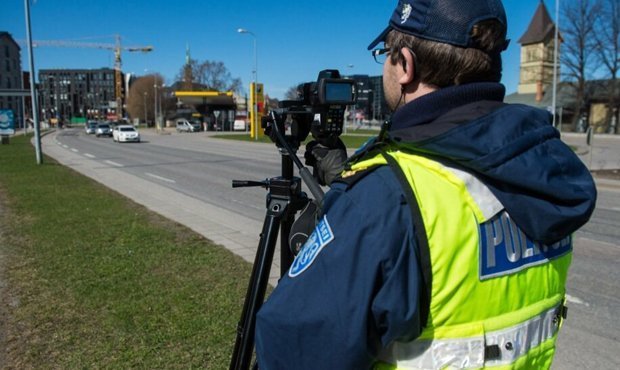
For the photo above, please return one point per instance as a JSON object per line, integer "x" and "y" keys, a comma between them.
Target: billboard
{"x": 7, "y": 122}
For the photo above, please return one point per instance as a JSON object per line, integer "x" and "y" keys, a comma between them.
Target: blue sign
{"x": 7, "y": 123}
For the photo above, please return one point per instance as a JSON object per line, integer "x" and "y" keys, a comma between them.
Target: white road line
{"x": 89, "y": 155}
{"x": 160, "y": 178}
{"x": 75, "y": 150}
{"x": 576, "y": 300}
{"x": 114, "y": 163}
{"x": 65, "y": 146}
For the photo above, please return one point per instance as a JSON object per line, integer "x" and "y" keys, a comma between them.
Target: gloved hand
{"x": 326, "y": 158}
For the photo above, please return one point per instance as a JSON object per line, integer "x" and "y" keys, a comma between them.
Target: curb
{"x": 607, "y": 184}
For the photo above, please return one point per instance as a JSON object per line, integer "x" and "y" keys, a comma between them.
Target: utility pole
{"x": 33, "y": 91}
{"x": 556, "y": 46}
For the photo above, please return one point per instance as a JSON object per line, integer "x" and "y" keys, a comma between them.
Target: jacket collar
{"x": 431, "y": 106}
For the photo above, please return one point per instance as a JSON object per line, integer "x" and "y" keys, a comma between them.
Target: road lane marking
{"x": 75, "y": 150}
{"x": 89, "y": 155}
{"x": 576, "y": 300}
{"x": 65, "y": 146}
{"x": 114, "y": 163}
{"x": 160, "y": 178}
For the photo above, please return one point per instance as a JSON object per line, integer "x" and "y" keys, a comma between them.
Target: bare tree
{"x": 579, "y": 18}
{"x": 217, "y": 77}
{"x": 292, "y": 93}
{"x": 141, "y": 98}
{"x": 188, "y": 74}
{"x": 210, "y": 75}
{"x": 607, "y": 38}
{"x": 271, "y": 103}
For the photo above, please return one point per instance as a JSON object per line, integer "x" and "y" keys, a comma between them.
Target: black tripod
{"x": 284, "y": 200}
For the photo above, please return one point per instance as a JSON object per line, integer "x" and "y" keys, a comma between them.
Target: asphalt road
{"x": 196, "y": 171}
{"x": 186, "y": 163}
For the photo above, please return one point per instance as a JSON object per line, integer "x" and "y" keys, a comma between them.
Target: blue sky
{"x": 295, "y": 39}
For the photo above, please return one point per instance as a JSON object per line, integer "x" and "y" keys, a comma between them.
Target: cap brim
{"x": 380, "y": 38}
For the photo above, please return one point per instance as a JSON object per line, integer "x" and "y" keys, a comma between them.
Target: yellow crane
{"x": 116, "y": 47}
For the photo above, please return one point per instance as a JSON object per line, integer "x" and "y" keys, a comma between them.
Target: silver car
{"x": 103, "y": 129}
{"x": 90, "y": 127}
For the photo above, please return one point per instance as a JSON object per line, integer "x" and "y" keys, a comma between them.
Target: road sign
{"x": 7, "y": 123}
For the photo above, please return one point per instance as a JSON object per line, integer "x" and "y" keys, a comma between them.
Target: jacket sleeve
{"x": 351, "y": 290}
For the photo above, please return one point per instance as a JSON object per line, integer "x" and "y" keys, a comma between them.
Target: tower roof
{"x": 541, "y": 27}
{"x": 6, "y": 35}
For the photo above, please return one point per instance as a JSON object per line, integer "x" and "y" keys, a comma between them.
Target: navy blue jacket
{"x": 355, "y": 285}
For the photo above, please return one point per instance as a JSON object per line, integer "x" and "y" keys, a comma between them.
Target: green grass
{"x": 350, "y": 141}
{"x": 96, "y": 281}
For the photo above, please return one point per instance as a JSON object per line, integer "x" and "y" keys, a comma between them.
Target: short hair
{"x": 442, "y": 65}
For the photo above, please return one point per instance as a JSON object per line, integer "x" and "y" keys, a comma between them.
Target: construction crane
{"x": 116, "y": 47}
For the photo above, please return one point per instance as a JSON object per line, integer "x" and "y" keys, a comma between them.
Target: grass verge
{"x": 350, "y": 141}
{"x": 92, "y": 280}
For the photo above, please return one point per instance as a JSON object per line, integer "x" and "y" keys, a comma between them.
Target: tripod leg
{"x": 286, "y": 255}
{"x": 244, "y": 345}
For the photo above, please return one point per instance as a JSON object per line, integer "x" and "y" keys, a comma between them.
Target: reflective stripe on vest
{"x": 469, "y": 353}
{"x": 469, "y": 235}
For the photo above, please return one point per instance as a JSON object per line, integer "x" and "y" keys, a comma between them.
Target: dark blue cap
{"x": 446, "y": 21}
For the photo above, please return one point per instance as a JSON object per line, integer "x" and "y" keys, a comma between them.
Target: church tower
{"x": 188, "y": 78}
{"x": 537, "y": 46}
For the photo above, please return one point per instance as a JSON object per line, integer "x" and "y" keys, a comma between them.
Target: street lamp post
{"x": 156, "y": 113}
{"x": 255, "y": 73}
{"x": 145, "y": 114}
{"x": 160, "y": 111}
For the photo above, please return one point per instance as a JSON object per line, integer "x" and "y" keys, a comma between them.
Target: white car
{"x": 125, "y": 133}
{"x": 239, "y": 125}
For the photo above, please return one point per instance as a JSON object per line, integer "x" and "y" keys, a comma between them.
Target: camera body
{"x": 319, "y": 109}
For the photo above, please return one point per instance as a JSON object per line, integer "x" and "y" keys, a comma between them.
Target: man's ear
{"x": 408, "y": 67}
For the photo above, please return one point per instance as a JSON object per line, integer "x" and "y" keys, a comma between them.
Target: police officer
{"x": 447, "y": 241}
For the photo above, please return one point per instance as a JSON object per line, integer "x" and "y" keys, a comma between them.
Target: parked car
{"x": 239, "y": 125}
{"x": 90, "y": 127}
{"x": 184, "y": 125}
{"x": 103, "y": 129}
{"x": 125, "y": 133}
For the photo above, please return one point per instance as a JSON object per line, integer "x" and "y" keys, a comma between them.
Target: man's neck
{"x": 417, "y": 90}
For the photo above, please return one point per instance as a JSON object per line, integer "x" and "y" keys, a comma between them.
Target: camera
{"x": 319, "y": 109}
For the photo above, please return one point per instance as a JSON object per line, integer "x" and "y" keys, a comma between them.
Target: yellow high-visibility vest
{"x": 496, "y": 298}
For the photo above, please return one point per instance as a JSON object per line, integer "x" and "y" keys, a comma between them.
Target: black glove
{"x": 327, "y": 159}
